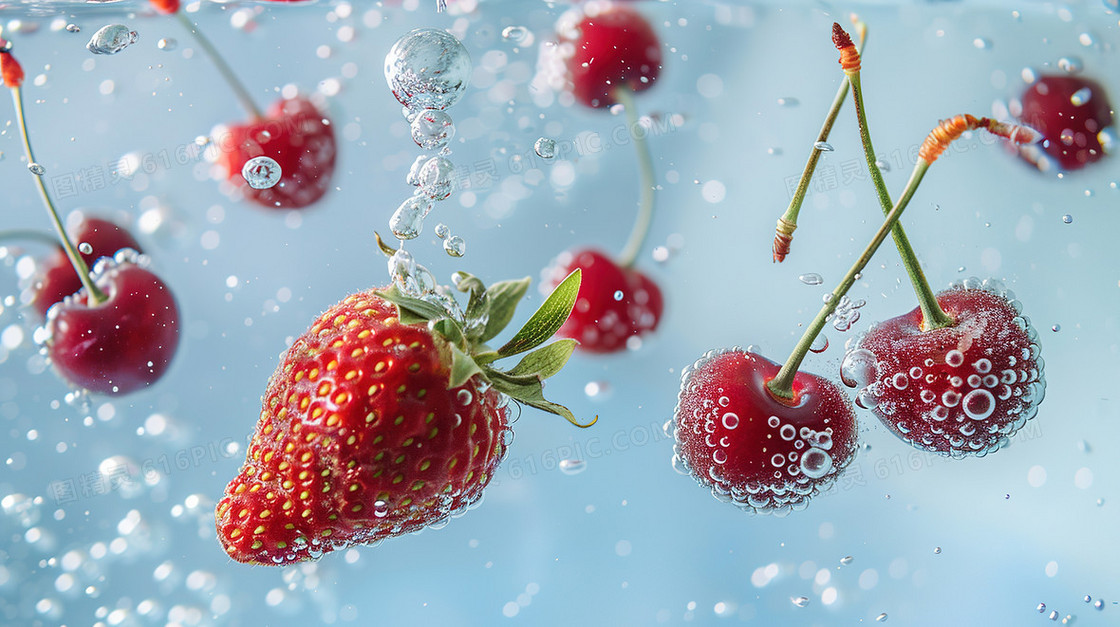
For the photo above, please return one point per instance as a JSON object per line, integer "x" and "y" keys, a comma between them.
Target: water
{"x": 131, "y": 541}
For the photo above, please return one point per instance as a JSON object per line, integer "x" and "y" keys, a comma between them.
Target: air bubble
{"x": 545, "y": 148}
{"x": 844, "y": 561}
{"x": 788, "y": 432}
{"x": 455, "y": 246}
{"x": 858, "y": 368}
{"x": 816, "y": 463}
{"x": 85, "y": 248}
{"x": 436, "y": 178}
{"x": 954, "y": 358}
{"x": 380, "y": 509}
{"x": 811, "y": 278}
{"x": 978, "y": 404}
{"x": 1072, "y": 65}
{"x": 464, "y": 397}
{"x": 823, "y": 146}
{"x": 773, "y": 421}
{"x": 572, "y": 466}
{"x": 730, "y": 421}
{"x": 428, "y": 69}
{"x": 36, "y": 169}
{"x": 1067, "y": 218}
{"x": 799, "y": 601}
{"x": 820, "y": 344}
{"x": 408, "y": 220}
{"x": 261, "y": 172}
{"x": 432, "y": 129}
{"x": 112, "y": 39}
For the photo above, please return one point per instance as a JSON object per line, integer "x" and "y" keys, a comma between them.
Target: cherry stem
{"x": 781, "y": 386}
{"x": 788, "y": 222}
{"x": 933, "y": 317}
{"x": 647, "y": 181}
{"x": 224, "y": 69}
{"x": 96, "y": 296}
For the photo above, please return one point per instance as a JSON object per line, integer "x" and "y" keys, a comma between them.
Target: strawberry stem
{"x": 788, "y": 222}
{"x": 224, "y": 69}
{"x": 933, "y": 317}
{"x": 647, "y": 181}
{"x": 96, "y": 296}
{"x": 781, "y": 386}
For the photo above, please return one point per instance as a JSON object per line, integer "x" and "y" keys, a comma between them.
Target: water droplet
{"x": 978, "y": 404}
{"x": 811, "y": 278}
{"x": 823, "y": 146}
{"x": 112, "y": 39}
{"x": 820, "y": 344}
{"x": 402, "y": 270}
{"x": 455, "y": 246}
{"x": 408, "y": 220}
{"x": 730, "y": 421}
{"x": 1072, "y": 65}
{"x": 36, "y": 169}
{"x": 545, "y": 148}
{"x": 432, "y": 129}
{"x": 85, "y": 248}
{"x": 1099, "y": 604}
{"x": 73, "y": 28}
{"x": 858, "y": 368}
{"x": 1068, "y": 219}
{"x": 437, "y": 178}
{"x": 799, "y": 601}
{"x": 167, "y": 43}
{"x": 442, "y": 231}
{"x": 572, "y": 466}
{"x": 380, "y": 509}
{"x": 816, "y": 463}
{"x": 844, "y": 561}
{"x": 937, "y": 550}
{"x": 428, "y": 68}
{"x": 515, "y": 34}
{"x": 883, "y": 166}
{"x": 954, "y": 358}
{"x": 882, "y": 618}
{"x": 464, "y": 397}
{"x": 618, "y": 295}
{"x": 261, "y": 172}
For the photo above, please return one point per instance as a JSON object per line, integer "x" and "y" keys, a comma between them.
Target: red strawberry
{"x": 615, "y": 48}
{"x": 298, "y": 137}
{"x": 614, "y": 303}
{"x": 1074, "y": 116}
{"x": 372, "y": 427}
{"x": 764, "y": 455}
{"x": 121, "y": 344}
{"x": 958, "y": 390}
{"x": 57, "y": 277}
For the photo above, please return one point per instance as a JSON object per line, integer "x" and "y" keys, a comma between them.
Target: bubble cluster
{"x": 960, "y": 390}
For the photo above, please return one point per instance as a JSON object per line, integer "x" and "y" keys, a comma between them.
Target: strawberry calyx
{"x": 488, "y": 312}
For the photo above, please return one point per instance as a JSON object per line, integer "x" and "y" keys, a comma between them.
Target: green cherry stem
{"x": 647, "y": 182}
{"x": 933, "y": 317}
{"x": 96, "y": 296}
{"x": 788, "y": 222}
{"x": 781, "y": 386}
{"x": 224, "y": 69}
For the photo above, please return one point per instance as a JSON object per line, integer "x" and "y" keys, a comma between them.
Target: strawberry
{"x": 57, "y": 278}
{"x": 614, "y": 303}
{"x": 298, "y": 137}
{"x": 615, "y": 48}
{"x": 764, "y": 454}
{"x": 1074, "y": 116}
{"x": 958, "y": 390}
{"x": 122, "y": 343}
{"x": 384, "y": 418}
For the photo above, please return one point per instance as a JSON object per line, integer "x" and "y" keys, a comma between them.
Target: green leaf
{"x": 503, "y": 297}
{"x": 547, "y": 320}
{"x": 412, "y": 310}
{"x": 467, "y": 282}
{"x": 450, "y": 330}
{"x": 545, "y": 361}
{"x": 462, "y": 368}
{"x": 478, "y": 305}
{"x": 530, "y": 391}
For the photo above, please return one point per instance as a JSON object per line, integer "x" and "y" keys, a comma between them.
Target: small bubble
{"x": 432, "y": 129}
{"x": 937, "y": 550}
{"x": 1071, "y": 65}
{"x": 261, "y": 172}
{"x": 545, "y": 148}
{"x": 844, "y": 561}
{"x": 442, "y": 231}
{"x": 882, "y": 618}
{"x": 820, "y": 344}
{"x": 1041, "y": 607}
{"x": 788, "y": 101}
{"x": 572, "y": 466}
{"x": 455, "y": 246}
{"x": 380, "y": 509}
{"x": 1053, "y": 615}
{"x": 464, "y": 397}
{"x": 883, "y": 166}
{"x": 1081, "y": 97}
{"x": 618, "y": 295}
{"x": 85, "y": 248}
{"x": 1056, "y": 328}
{"x": 516, "y": 34}
{"x": 823, "y": 146}
{"x": 981, "y": 44}
{"x": 1068, "y": 219}
{"x": 167, "y": 43}
{"x": 1099, "y": 604}
{"x": 1087, "y": 599}
{"x": 112, "y": 39}
{"x": 36, "y": 169}
{"x": 73, "y": 28}
{"x": 799, "y": 601}
{"x": 811, "y": 278}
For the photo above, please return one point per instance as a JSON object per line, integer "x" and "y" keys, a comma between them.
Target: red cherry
{"x": 122, "y": 344}
{"x": 763, "y": 455}
{"x": 298, "y": 137}
{"x": 167, "y": 7}
{"x": 616, "y": 48}
{"x": 959, "y": 390}
{"x": 1070, "y": 112}
{"x": 613, "y": 303}
{"x": 57, "y": 276}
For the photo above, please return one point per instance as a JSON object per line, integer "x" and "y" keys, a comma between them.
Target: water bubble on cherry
{"x": 111, "y": 39}
{"x": 572, "y": 466}
{"x": 432, "y": 129}
{"x": 36, "y": 169}
{"x": 816, "y": 463}
{"x": 1081, "y": 97}
{"x": 408, "y": 220}
{"x": 954, "y": 358}
{"x": 823, "y": 146}
{"x": 811, "y": 278}
{"x": 545, "y": 148}
{"x": 261, "y": 172}
{"x": 618, "y": 295}
{"x": 455, "y": 246}
{"x": 428, "y": 68}
{"x": 437, "y": 178}
{"x": 85, "y": 248}
{"x": 820, "y": 344}
{"x": 858, "y": 368}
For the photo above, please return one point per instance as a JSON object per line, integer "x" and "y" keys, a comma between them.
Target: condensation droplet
{"x": 111, "y": 39}
{"x": 261, "y": 172}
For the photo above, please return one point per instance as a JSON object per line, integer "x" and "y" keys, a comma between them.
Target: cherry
{"x": 763, "y": 454}
{"x": 1071, "y": 112}
{"x": 958, "y": 390}
{"x": 616, "y": 48}
{"x": 57, "y": 278}
{"x": 295, "y": 134}
{"x": 121, "y": 344}
{"x": 614, "y": 303}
